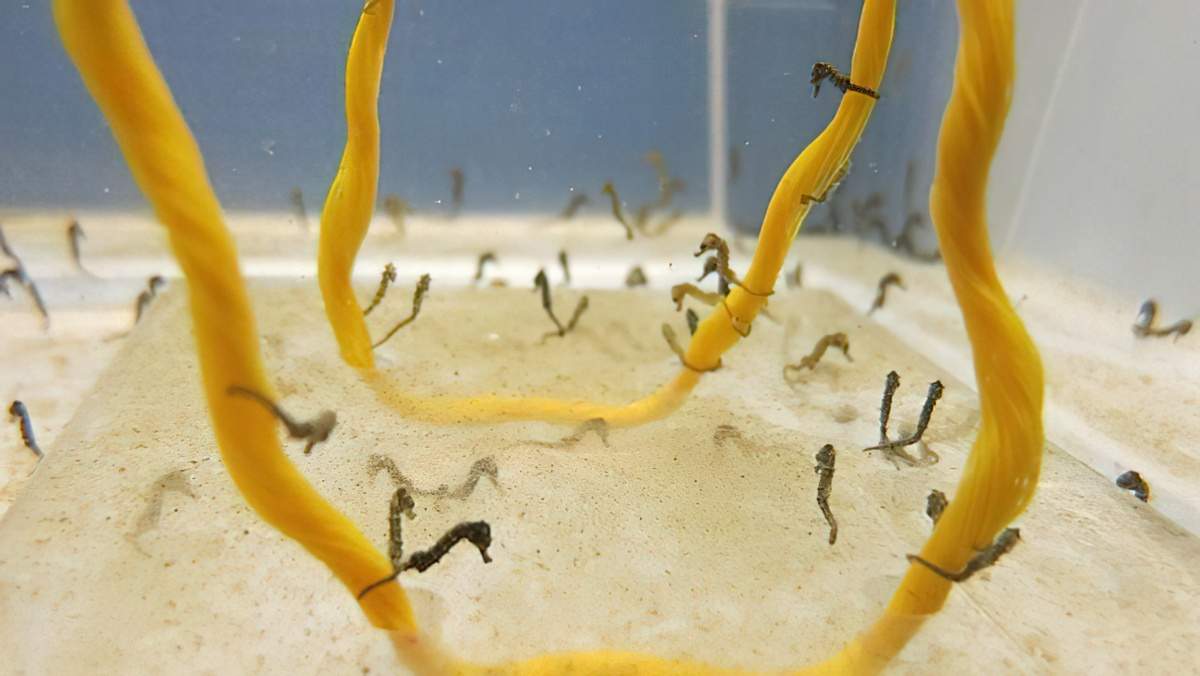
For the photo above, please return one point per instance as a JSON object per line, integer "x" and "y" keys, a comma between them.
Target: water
{"x": 696, "y": 536}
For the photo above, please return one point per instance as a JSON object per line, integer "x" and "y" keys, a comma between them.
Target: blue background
{"x": 529, "y": 97}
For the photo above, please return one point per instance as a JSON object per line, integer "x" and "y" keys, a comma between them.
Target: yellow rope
{"x": 811, "y": 173}
{"x": 351, "y": 198}
{"x": 103, "y": 39}
{"x": 451, "y": 410}
{"x": 1002, "y": 470}
{"x": 590, "y": 663}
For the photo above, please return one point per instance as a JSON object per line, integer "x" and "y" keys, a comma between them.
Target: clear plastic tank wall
{"x": 1101, "y": 158}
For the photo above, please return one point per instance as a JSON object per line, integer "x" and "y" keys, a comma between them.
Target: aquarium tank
{"x": 533, "y": 337}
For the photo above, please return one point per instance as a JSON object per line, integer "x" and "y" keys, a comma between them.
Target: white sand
{"x": 666, "y": 541}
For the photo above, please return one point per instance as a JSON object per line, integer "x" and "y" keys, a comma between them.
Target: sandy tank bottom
{"x": 695, "y": 536}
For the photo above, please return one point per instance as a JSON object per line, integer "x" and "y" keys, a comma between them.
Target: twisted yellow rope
{"x": 1002, "y": 470}
{"x": 811, "y": 173}
{"x": 351, "y": 198}
{"x": 103, "y": 40}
